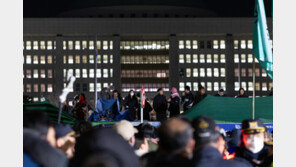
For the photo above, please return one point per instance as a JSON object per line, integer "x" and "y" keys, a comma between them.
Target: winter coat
{"x": 188, "y": 101}
{"x": 174, "y": 107}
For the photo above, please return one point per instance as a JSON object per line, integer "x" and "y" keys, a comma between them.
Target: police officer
{"x": 208, "y": 143}
{"x": 252, "y": 149}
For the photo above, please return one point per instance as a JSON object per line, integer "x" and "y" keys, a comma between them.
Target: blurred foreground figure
{"x": 103, "y": 148}
{"x": 210, "y": 145}
{"x": 126, "y": 130}
{"x": 176, "y": 145}
{"x": 65, "y": 137}
{"x": 253, "y": 150}
{"x": 39, "y": 142}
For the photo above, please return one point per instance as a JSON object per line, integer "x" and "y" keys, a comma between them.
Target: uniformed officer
{"x": 208, "y": 143}
{"x": 252, "y": 149}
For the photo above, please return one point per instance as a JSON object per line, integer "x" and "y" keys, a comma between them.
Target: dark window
{"x": 145, "y": 15}
{"x": 84, "y": 87}
{"x": 77, "y": 87}
{"x": 155, "y": 15}
{"x": 209, "y": 44}
{"x": 133, "y": 15}
{"x": 201, "y": 44}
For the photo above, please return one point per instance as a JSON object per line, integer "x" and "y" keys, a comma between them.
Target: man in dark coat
{"x": 200, "y": 95}
{"x": 187, "y": 99}
{"x": 131, "y": 103}
{"x": 174, "y": 101}
{"x": 160, "y": 105}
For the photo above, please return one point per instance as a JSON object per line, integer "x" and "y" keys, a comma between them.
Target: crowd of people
{"x": 176, "y": 142}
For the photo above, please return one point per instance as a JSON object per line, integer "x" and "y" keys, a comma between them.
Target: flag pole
{"x": 253, "y": 113}
{"x": 96, "y": 66}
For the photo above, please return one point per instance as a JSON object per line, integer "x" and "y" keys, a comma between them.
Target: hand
{"x": 169, "y": 100}
{"x": 183, "y": 93}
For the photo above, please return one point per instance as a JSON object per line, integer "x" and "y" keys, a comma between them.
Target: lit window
{"x": 35, "y": 73}
{"x": 194, "y": 44}
{"x": 111, "y": 59}
{"x": 77, "y": 73}
{"x": 70, "y": 45}
{"x": 35, "y": 87}
{"x": 42, "y": 45}
{"x": 91, "y": 87}
{"x": 28, "y": 59}
{"x": 99, "y": 59}
{"x": 99, "y": 73}
{"x": 28, "y": 88}
{"x": 49, "y": 73}
{"x": 167, "y": 45}
{"x": 84, "y": 45}
{"x": 49, "y": 45}
{"x": 49, "y": 88}
{"x": 264, "y": 74}
{"x": 105, "y": 73}
{"x": 243, "y": 72}
{"x": 236, "y": 86}
{"x": 70, "y": 71}
{"x": 222, "y": 72}
{"x": 236, "y": 59}
{"x": 99, "y": 88}
{"x": 188, "y": 44}
{"x": 77, "y": 59}
{"x": 222, "y": 44}
{"x": 264, "y": 86}
{"x": 195, "y": 72}
{"x": 250, "y": 44}
{"x": 64, "y": 45}
{"x": 42, "y": 59}
{"x": 202, "y": 72}
{"x": 42, "y": 73}
{"x": 84, "y": 73}
{"x": 244, "y": 85}
{"x": 209, "y": 72}
{"x": 209, "y": 58}
{"x": 181, "y": 44}
{"x": 243, "y": 58}
{"x": 35, "y": 99}
{"x": 111, "y": 73}
{"x": 105, "y": 45}
{"x": 84, "y": 59}
{"x": 42, "y": 88}
{"x": 250, "y": 58}
{"x": 257, "y": 71}
{"x": 54, "y": 44}
{"x": 91, "y": 73}
{"x": 250, "y": 72}
{"x": 222, "y": 58}
{"x": 70, "y": 59}
{"x": 188, "y": 72}
{"x": 181, "y": 58}
{"x": 28, "y": 74}
{"x": 209, "y": 86}
{"x": 236, "y": 73}
{"x": 216, "y": 86}
{"x": 65, "y": 59}
{"x": 243, "y": 44}
{"x": 202, "y": 84}
{"x": 111, "y": 45}
{"x": 91, "y": 59}
{"x": 105, "y": 85}
{"x": 91, "y": 45}
{"x": 35, "y": 45}
{"x": 105, "y": 59}
{"x": 194, "y": 58}
{"x": 223, "y": 85}
{"x": 188, "y": 58}
{"x": 216, "y": 58}
{"x": 35, "y": 59}
{"x": 28, "y": 45}
{"x": 77, "y": 45}
{"x": 270, "y": 85}
{"x": 250, "y": 86}
{"x": 65, "y": 74}
{"x": 235, "y": 44}
{"x": 202, "y": 58}
{"x": 216, "y": 46}
{"x": 216, "y": 72}
{"x": 181, "y": 86}
{"x": 257, "y": 86}
{"x": 188, "y": 84}
{"x": 195, "y": 86}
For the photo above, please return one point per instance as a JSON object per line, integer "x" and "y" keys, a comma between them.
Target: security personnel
{"x": 187, "y": 99}
{"x": 208, "y": 143}
{"x": 253, "y": 150}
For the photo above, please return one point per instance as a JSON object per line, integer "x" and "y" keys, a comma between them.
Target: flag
{"x": 262, "y": 45}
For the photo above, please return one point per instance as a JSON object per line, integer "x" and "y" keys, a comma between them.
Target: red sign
{"x": 143, "y": 97}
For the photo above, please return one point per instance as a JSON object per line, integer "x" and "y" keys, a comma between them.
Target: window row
{"x": 194, "y": 44}
{"x": 202, "y": 58}
{"x": 41, "y": 73}
{"x": 248, "y": 86}
{"x": 149, "y": 87}
{"x": 243, "y": 58}
{"x": 36, "y": 45}
{"x": 205, "y": 72}
{"x": 84, "y": 45}
{"x": 209, "y": 86}
{"x": 29, "y": 88}
{"x": 144, "y": 73}
{"x": 144, "y": 45}
{"x": 249, "y": 73}
{"x": 89, "y": 73}
{"x": 77, "y": 59}
{"x": 243, "y": 44}
{"x": 145, "y": 59}
{"x": 42, "y": 59}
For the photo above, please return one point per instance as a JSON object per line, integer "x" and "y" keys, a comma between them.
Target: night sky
{"x": 223, "y": 8}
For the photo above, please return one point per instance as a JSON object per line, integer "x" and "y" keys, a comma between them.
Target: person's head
{"x": 131, "y": 93}
{"x": 206, "y": 132}
{"x": 253, "y": 135}
{"x": 202, "y": 90}
{"x": 115, "y": 94}
{"x": 141, "y": 143}
{"x": 126, "y": 130}
{"x": 174, "y": 90}
{"x": 176, "y": 137}
{"x": 65, "y": 139}
{"x": 221, "y": 92}
{"x": 160, "y": 91}
{"x": 147, "y": 130}
{"x": 187, "y": 89}
{"x": 241, "y": 91}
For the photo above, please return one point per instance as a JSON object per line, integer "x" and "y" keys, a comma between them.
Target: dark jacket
{"x": 132, "y": 105}
{"x": 220, "y": 96}
{"x": 209, "y": 156}
{"x": 146, "y": 111}
{"x": 160, "y": 106}
{"x": 174, "y": 106}
{"x": 41, "y": 151}
{"x": 188, "y": 101}
{"x": 240, "y": 96}
{"x": 199, "y": 97}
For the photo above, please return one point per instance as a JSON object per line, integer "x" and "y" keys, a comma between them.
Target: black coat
{"x": 160, "y": 104}
{"x": 131, "y": 103}
{"x": 240, "y": 96}
{"x": 188, "y": 101}
{"x": 174, "y": 106}
{"x": 209, "y": 156}
{"x": 199, "y": 97}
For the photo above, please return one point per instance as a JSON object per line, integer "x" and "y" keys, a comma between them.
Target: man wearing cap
{"x": 221, "y": 93}
{"x": 252, "y": 149}
{"x": 208, "y": 145}
{"x": 65, "y": 139}
{"x": 126, "y": 130}
{"x": 160, "y": 105}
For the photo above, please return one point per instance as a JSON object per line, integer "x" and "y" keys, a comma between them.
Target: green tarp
{"x": 232, "y": 110}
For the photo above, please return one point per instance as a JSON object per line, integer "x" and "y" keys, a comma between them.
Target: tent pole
{"x": 96, "y": 66}
{"x": 253, "y": 115}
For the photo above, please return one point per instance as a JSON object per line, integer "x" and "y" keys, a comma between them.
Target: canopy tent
{"x": 232, "y": 110}
{"x": 51, "y": 110}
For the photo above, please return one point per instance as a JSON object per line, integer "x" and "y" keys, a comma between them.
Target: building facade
{"x": 135, "y": 52}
